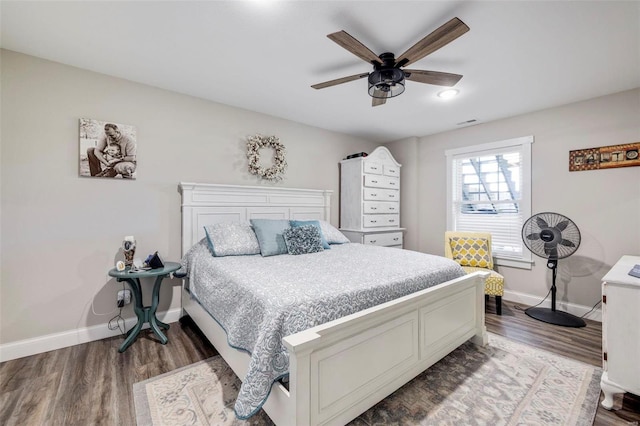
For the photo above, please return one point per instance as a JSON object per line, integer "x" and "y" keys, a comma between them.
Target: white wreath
{"x": 257, "y": 142}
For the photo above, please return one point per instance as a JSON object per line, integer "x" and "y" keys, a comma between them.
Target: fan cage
{"x": 566, "y": 240}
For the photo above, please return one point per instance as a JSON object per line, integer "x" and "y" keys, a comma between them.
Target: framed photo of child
{"x": 107, "y": 149}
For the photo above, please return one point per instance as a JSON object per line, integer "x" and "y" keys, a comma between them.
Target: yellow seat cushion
{"x": 469, "y": 251}
{"x": 494, "y": 285}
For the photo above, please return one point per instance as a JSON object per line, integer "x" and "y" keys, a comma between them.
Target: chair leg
{"x": 499, "y": 305}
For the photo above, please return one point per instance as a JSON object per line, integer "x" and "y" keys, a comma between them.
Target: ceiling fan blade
{"x": 533, "y": 237}
{"x": 347, "y": 41}
{"x": 378, "y": 101}
{"x": 339, "y": 81}
{"x": 541, "y": 222}
{"x": 561, "y": 226}
{"x": 434, "y": 41}
{"x": 432, "y": 77}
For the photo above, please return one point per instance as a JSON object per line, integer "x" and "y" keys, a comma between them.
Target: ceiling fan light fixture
{"x": 448, "y": 93}
{"x": 389, "y": 82}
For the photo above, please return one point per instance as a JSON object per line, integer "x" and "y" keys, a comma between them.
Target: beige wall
{"x": 605, "y": 204}
{"x": 61, "y": 233}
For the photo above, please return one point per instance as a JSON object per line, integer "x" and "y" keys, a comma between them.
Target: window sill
{"x": 514, "y": 263}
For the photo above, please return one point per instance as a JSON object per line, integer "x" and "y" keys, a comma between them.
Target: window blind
{"x": 490, "y": 192}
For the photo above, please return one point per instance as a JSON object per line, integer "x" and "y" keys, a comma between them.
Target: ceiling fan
{"x": 387, "y": 79}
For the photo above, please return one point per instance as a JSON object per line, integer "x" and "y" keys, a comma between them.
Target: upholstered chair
{"x": 472, "y": 250}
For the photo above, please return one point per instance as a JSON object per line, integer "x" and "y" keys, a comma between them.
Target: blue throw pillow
{"x": 303, "y": 239}
{"x": 270, "y": 235}
{"x": 316, "y": 223}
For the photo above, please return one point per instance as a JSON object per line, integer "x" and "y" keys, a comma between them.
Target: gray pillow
{"x": 231, "y": 239}
{"x": 269, "y": 233}
{"x": 331, "y": 234}
{"x": 296, "y": 223}
{"x": 303, "y": 239}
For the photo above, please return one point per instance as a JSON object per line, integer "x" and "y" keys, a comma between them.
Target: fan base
{"x": 555, "y": 317}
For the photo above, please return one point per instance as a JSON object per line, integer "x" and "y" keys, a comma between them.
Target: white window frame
{"x": 524, "y": 145}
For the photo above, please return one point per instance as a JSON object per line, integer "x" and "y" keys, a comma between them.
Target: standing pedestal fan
{"x": 552, "y": 236}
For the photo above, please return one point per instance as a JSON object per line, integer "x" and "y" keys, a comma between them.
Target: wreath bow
{"x": 257, "y": 142}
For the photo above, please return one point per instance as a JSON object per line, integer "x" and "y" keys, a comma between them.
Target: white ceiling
{"x": 264, "y": 56}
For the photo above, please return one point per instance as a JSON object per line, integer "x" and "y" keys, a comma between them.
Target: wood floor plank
{"x": 92, "y": 384}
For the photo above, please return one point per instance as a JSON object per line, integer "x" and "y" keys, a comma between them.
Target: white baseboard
{"x": 530, "y": 300}
{"x": 55, "y": 341}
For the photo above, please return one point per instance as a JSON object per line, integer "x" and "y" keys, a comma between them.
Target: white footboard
{"x": 340, "y": 369}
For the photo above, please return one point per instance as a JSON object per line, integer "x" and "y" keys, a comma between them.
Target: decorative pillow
{"x": 331, "y": 234}
{"x": 469, "y": 251}
{"x": 269, "y": 233}
{"x": 303, "y": 239}
{"x": 231, "y": 239}
{"x": 298, "y": 223}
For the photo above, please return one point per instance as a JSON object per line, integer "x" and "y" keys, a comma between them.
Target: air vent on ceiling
{"x": 466, "y": 123}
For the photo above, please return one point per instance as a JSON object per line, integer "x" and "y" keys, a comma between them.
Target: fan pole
{"x": 552, "y": 316}
{"x": 554, "y": 271}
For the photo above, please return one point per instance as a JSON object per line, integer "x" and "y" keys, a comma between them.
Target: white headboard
{"x": 206, "y": 204}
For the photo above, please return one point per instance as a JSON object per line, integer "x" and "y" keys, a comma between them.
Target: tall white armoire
{"x": 370, "y": 199}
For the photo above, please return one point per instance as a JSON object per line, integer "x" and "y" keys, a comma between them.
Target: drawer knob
{"x": 374, "y": 195}
{"x": 374, "y": 181}
{"x": 392, "y": 183}
{"x": 396, "y": 239}
{"x": 373, "y": 221}
{"x": 374, "y": 208}
{"x": 373, "y": 241}
{"x": 392, "y": 208}
{"x": 391, "y": 220}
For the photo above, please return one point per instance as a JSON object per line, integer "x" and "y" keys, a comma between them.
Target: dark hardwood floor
{"x": 92, "y": 384}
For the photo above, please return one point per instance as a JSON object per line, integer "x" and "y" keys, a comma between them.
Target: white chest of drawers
{"x": 370, "y": 199}
{"x": 620, "y": 331}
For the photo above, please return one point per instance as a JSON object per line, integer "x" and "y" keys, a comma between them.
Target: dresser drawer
{"x": 391, "y": 170}
{"x": 378, "y": 207}
{"x": 380, "y": 220}
{"x": 375, "y": 181}
{"x": 373, "y": 168}
{"x": 388, "y": 239}
{"x": 373, "y": 194}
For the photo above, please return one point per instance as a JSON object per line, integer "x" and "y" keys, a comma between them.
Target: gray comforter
{"x": 259, "y": 300}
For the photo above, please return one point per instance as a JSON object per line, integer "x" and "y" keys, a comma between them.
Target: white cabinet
{"x": 620, "y": 331}
{"x": 370, "y": 199}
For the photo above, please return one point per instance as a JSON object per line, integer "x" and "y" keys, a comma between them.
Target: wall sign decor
{"x": 107, "y": 149}
{"x": 605, "y": 157}
{"x": 254, "y": 145}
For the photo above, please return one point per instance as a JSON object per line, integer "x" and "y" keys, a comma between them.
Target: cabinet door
{"x": 622, "y": 324}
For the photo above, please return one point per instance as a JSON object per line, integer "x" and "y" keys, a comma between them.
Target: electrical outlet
{"x": 124, "y": 298}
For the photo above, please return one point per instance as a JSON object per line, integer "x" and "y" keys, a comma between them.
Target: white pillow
{"x": 231, "y": 239}
{"x": 332, "y": 234}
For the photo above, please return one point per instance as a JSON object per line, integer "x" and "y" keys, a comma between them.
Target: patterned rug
{"x": 504, "y": 383}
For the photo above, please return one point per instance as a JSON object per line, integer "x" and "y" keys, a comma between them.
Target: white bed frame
{"x": 339, "y": 369}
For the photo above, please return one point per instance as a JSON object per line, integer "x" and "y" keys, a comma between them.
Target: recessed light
{"x": 448, "y": 93}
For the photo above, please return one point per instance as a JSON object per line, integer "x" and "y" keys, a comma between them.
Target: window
{"x": 489, "y": 190}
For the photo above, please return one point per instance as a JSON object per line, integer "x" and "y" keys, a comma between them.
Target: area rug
{"x": 504, "y": 383}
